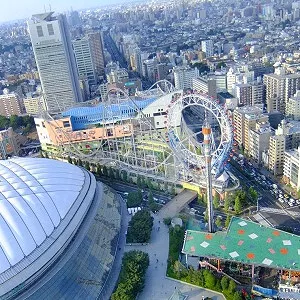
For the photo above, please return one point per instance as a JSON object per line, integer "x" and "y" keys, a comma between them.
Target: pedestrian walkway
{"x": 262, "y": 220}
{"x": 173, "y": 207}
{"x": 277, "y": 211}
{"x": 157, "y": 285}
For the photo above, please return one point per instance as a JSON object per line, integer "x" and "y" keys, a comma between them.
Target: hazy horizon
{"x": 20, "y": 9}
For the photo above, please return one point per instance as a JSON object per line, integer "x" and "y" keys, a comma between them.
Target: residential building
{"x": 245, "y": 119}
{"x": 292, "y": 107}
{"x": 10, "y": 143}
{"x": 249, "y": 93}
{"x": 10, "y": 105}
{"x": 149, "y": 69}
{"x": 291, "y": 168}
{"x": 55, "y": 61}
{"x": 221, "y": 81}
{"x": 276, "y": 154}
{"x": 208, "y": 47}
{"x": 259, "y": 140}
{"x": 206, "y": 85}
{"x": 279, "y": 88}
{"x": 117, "y": 75}
{"x": 287, "y": 137}
{"x": 183, "y": 76}
{"x": 33, "y": 104}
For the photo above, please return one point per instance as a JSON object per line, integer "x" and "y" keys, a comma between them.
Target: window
{"x": 50, "y": 29}
{"x": 39, "y": 31}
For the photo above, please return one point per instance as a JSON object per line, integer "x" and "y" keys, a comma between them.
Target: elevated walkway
{"x": 172, "y": 208}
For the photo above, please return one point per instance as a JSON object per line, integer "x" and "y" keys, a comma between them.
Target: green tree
{"x": 139, "y": 181}
{"x": 231, "y": 286}
{"x": 216, "y": 200}
{"x": 105, "y": 171}
{"x": 206, "y": 216}
{"x": 79, "y": 162}
{"x": 218, "y": 222}
{"x": 227, "y": 203}
{"x": 237, "y": 296}
{"x": 140, "y": 227}
{"x": 15, "y": 121}
{"x": 87, "y": 165}
{"x": 253, "y": 194}
{"x": 134, "y": 199}
{"x": 237, "y": 205}
{"x": 124, "y": 176}
{"x": 166, "y": 187}
{"x": 203, "y": 68}
{"x": 224, "y": 283}
{"x": 111, "y": 173}
{"x": 117, "y": 174}
{"x": 69, "y": 159}
{"x": 99, "y": 170}
{"x": 227, "y": 222}
{"x": 132, "y": 275}
{"x": 210, "y": 279}
{"x": 4, "y": 123}
{"x": 158, "y": 186}
{"x": 149, "y": 183}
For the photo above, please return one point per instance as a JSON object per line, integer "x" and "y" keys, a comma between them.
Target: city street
{"x": 271, "y": 211}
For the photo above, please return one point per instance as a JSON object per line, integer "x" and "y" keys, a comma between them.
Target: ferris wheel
{"x": 188, "y": 142}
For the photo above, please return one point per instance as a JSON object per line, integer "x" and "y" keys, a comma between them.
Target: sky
{"x": 24, "y": 9}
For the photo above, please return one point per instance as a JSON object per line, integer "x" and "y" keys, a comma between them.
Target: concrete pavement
{"x": 157, "y": 285}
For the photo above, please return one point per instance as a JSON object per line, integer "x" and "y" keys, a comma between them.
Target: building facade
{"x": 10, "y": 105}
{"x": 279, "y": 88}
{"x": 183, "y": 77}
{"x": 292, "y": 107}
{"x": 205, "y": 85}
{"x": 55, "y": 60}
{"x": 245, "y": 119}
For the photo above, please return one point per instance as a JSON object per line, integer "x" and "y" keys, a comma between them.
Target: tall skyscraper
{"x": 55, "y": 60}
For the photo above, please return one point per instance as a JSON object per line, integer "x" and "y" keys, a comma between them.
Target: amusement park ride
{"x": 148, "y": 135}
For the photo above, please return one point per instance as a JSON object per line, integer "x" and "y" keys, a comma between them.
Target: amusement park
{"x": 186, "y": 139}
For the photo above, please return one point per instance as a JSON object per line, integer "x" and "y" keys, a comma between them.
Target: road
{"x": 113, "y": 50}
{"x": 271, "y": 211}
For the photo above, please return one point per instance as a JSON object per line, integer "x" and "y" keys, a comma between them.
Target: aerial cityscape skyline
{"x": 151, "y": 141}
{"x": 18, "y": 9}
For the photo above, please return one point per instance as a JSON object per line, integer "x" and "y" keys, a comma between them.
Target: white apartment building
{"x": 205, "y": 85}
{"x": 291, "y": 168}
{"x": 279, "y": 88}
{"x": 55, "y": 61}
{"x": 259, "y": 140}
{"x": 292, "y": 107}
{"x": 286, "y": 137}
{"x": 208, "y": 47}
{"x": 183, "y": 77}
{"x": 117, "y": 75}
{"x": 245, "y": 119}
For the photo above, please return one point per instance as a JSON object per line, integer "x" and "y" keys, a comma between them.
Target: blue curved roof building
{"x": 83, "y": 117}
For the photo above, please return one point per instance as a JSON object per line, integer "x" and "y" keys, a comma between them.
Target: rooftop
{"x": 247, "y": 242}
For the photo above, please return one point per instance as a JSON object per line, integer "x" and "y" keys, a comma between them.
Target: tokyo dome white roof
{"x": 35, "y": 195}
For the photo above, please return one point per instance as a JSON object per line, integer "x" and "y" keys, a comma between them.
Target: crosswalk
{"x": 280, "y": 211}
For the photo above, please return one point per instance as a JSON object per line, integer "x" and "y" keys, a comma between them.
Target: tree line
{"x": 132, "y": 275}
